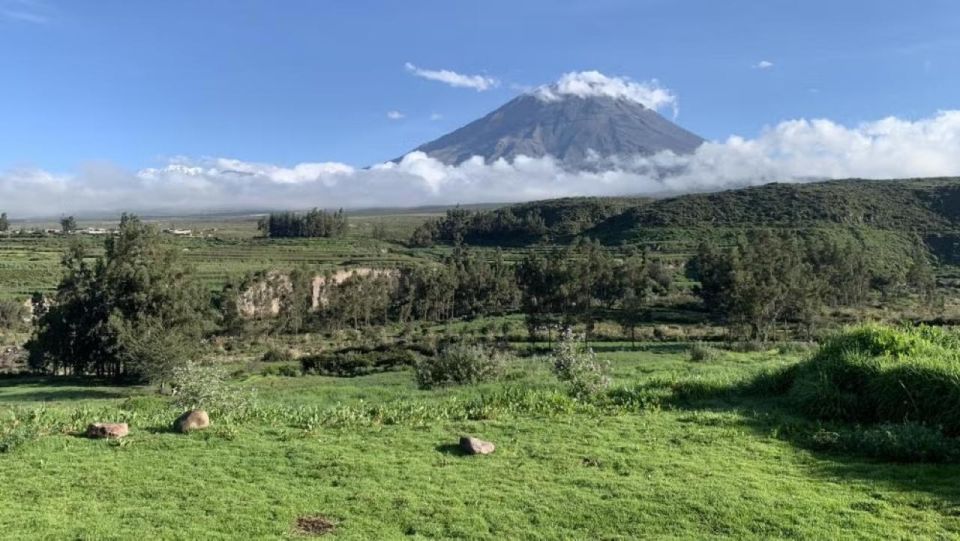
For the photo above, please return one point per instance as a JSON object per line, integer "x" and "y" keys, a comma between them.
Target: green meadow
{"x": 664, "y": 455}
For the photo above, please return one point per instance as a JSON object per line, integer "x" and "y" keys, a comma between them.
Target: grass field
{"x": 377, "y": 457}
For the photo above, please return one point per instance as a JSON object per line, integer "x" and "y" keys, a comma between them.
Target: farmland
{"x": 222, "y": 249}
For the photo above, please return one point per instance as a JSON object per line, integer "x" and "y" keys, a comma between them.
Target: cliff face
{"x": 260, "y": 299}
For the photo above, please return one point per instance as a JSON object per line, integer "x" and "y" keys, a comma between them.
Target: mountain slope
{"x": 572, "y": 129}
{"x": 913, "y": 205}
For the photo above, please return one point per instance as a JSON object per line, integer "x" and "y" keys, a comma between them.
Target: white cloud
{"x": 436, "y": 116}
{"x": 593, "y": 83}
{"x": 795, "y": 150}
{"x": 395, "y": 115}
{"x": 763, "y": 65}
{"x": 28, "y": 11}
{"x": 452, "y": 78}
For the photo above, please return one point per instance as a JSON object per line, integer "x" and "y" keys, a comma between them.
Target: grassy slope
{"x": 709, "y": 470}
{"x": 878, "y": 213}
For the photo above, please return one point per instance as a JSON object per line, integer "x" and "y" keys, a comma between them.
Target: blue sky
{"x": 135, "y": 83}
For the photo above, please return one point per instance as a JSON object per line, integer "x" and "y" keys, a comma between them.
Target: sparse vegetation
{"x": 578, "y": 366}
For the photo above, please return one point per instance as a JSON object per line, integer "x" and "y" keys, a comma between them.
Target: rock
{"x": 474, "y": 446}
{"x": 191, "y": 420}
{"x": 108, "y": 430}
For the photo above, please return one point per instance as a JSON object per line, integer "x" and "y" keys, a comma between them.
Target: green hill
{"x": 921, "y": 205}
{"x": 886, "y": 214}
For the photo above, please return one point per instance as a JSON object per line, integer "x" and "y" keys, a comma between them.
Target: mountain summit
{"x": 575, "y": 120}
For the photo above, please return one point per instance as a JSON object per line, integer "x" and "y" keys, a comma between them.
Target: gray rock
{"x": 191, "y": 420}
{"x": 474, "y": 446}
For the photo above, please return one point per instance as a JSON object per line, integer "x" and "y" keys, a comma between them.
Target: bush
{"x": 578, "y": 365}
{"x": 12, "y": 315}
{"x": 352, "y": 362}
{"x": 205, "y": 386}
{"x": 796, "y": 348}
{"x": 749, "y": 346}
{"x": 459, "y": 364}
{"x": 277, "y": 356}
{"x": 285, "y": 370}
{"x": 877, "y": 374}
{"x": 907, "y": 442}
{"x": 700, "y": 352}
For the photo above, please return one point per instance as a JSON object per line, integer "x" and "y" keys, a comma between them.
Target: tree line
{"x": 315, "y": 223}
{"x": 138, "y": 312}
{"x": 555, "y": 220}
{"x": 767, "y": 279}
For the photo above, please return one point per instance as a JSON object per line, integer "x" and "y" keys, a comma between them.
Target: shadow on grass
{"x": 883, "y": 454}
{"x": 161, "y": 429}
{"x": 451, "y": 449}
{"x": 55, "y": 395}
{"x": 9, "y": 380}
{"x": 655, "y": 347}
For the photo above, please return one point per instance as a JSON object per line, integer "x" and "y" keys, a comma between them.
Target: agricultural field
{"x": 376, "y": 457}
{"x": 221, "y": 249}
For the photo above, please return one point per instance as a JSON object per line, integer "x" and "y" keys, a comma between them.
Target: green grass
{"x": 718, "y": 467}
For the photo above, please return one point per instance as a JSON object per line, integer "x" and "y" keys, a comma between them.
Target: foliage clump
{"x": 578, "y": 366}
{"x": 879, "y": 374}
{"x": 277, "y": 355}
{"x": 459, "y": 364}
{"x": 137, "y": 312}
{"x": 316, "y": 223}
{"x": 359, "y": 361}
{"x": 205, "y": 386}
{"x": 12, "y": 315}
{"x": 700, "y": 352}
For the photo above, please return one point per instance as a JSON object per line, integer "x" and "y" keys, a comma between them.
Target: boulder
{"x": 474, "y": 446}
{"x": 108, "y": 430}
{"x": 191, "y": 420}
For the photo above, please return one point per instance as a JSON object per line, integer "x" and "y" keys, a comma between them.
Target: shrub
{"x": 459, "y": 364}
{"x": 700, "y": 352}
{"x": 796, "y": 348}
{"x": 205, "y": 386}
{"x": 906, "y": 442}
{"x": 285, "y": 370}
{"x": 12, "y": 315}
{"x": 275, "y": 355}
{"x": 352, "y": 362}
{"x": 578, "y": 365}
{"x": 877, "y": 374}
{"x": 749, "y": 346}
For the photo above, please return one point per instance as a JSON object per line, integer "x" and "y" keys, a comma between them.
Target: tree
{"x": 379, "y": 230}
{"x": 68, "y": 224}
{"x": 296, "y": 302}
{"x": 920, "y": 276}
{"x": 763, "y": 280}
{"x": 136, "y": 312}
{"x": 316, "y": 223}
{"x": 637, "y": 280}
{"x": 4, "y": 223}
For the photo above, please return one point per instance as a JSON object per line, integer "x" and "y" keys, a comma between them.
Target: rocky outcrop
{"x": 261, "y": 297}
